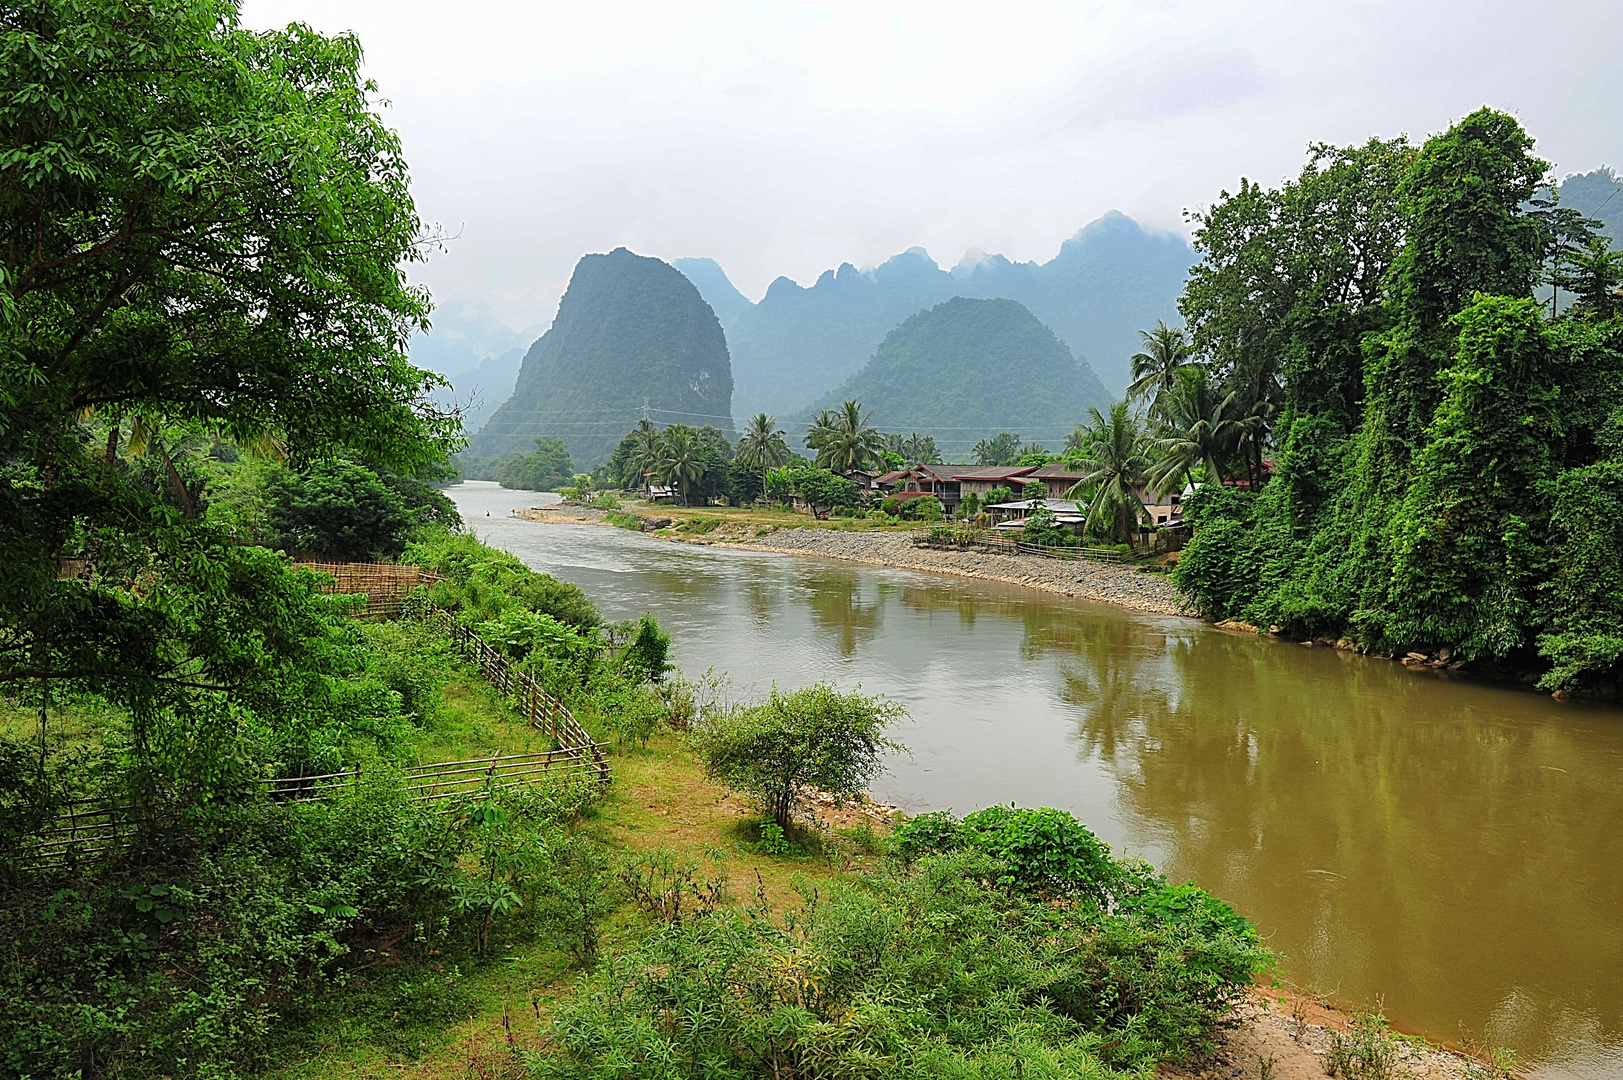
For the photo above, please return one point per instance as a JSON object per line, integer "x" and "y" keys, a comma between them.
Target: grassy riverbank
{"x": 554, "y": 928}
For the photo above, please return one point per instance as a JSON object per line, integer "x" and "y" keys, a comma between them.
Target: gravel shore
{"x": 1110, "y": 583}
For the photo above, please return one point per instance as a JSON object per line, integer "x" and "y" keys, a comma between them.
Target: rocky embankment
{"x": 1110, "y": 583}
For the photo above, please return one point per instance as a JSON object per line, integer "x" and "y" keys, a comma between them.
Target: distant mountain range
{"x": 967, "y": 369}
{"x": 798, "y": 344}
{"x": 1597, "y": 195}
{"x": 1108, "y": 282}
{"x": 475, "y": 350}
{"x": 712, "y": 282}
{"x": 630, "y": 331}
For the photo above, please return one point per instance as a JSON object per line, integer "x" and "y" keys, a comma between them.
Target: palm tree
{"x": 1255, "y": 394}
{"x": 1198, "y": 429}
{"x": 679, "y": 463}
{"x": 1113, "y": 455}
{"x": 762, "y": 445}
{"x": 845, "y": 439}
{"x": 644, "y": 456}
{"x": 1155, "y": 370}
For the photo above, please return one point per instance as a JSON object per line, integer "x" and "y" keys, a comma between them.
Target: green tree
{"x": 547, "y": 468}
{"x": 1196, "y": 431}
{"x": 762, "y": 446}
{"x": 1001, "y": 449}
{"x": 823, "y": 490}
{"x": 1155, "y": 369}
{"x": 204, "y": 229}
{"x": 340, "y": 511}
{"x": 815, "y": 738}
{"x": 1594, "y": 273}
{"x": 845, "y": 438}
{"x": 1116, "y": 469}
{"x": 915, "y": 449}
{"x": 680, "y": 460}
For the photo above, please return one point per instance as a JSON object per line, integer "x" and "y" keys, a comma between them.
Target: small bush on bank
{"x": 815, "y": 738}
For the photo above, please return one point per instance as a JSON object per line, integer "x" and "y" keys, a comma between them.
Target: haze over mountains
{"x": 1108, "y": 282}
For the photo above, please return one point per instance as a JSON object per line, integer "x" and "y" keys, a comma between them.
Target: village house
{"x": 950, "y": 483}
{"x": 1060, "y": 476}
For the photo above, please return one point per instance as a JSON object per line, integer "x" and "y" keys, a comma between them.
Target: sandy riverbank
{"x": 1109, "y": 583}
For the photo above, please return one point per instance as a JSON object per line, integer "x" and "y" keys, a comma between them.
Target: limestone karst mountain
{"x": 967, "y": 369}
{"x": 629, "y": 330}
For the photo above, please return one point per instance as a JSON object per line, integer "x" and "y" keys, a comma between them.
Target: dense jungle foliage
{"x": 224, "y": 921}
{"x": 1448, "y": 453}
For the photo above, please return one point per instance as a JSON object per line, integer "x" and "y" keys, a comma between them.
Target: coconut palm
{"x": 1155, "y": 370}
{"x": 845, "y": 439}
{"x": 1198, "y": 429}
{"x": 644, "y": 456}
{"x": 1113, "y": 455}
{"x": 1255, "y": 389}
{"x": 762, "y": 445}
{"x": 680, "y": 462}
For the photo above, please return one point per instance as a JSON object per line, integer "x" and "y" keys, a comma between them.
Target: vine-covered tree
{"x": 1436, "y": 427}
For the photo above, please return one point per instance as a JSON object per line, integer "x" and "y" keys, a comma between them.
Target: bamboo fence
{"x": 88, "y": 828}
{"x": 386, "y": 585}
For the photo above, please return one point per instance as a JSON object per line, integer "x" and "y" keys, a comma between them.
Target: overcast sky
{"x": 788, "y": 138}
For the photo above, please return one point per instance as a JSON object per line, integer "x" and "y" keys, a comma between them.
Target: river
{"x": 1449, "y": 846}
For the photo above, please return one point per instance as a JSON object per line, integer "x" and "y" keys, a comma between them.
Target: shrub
{"x": 1045, "y": 850}
{"x": 670, "y": 886}
{"x": 482, "y": 582}
{"x": 644, "y": 657}
{"x": 816, "y": 738}
{"x": 936, "y": 972}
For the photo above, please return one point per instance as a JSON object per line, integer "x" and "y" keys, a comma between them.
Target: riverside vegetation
{"x": 204, "y": 330}
{"x": 225, "y": 929}
{"x": 1448, "y": 472}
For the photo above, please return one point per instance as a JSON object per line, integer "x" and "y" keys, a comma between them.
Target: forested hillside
{"x": 629, "y": 330}
{"x": 1110, "y": 280}
{"x": 1449, "y": 474}
{"x": 967, "y": 369}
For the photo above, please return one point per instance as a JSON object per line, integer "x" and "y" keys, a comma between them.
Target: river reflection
{"x": 1451, "y": 846}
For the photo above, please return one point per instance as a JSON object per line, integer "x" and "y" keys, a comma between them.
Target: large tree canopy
{"x": 1443, "y": 475}
{"x": 202, "y": 232}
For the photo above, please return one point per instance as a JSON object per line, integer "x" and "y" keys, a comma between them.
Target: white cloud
{"x": 786, "y": 138}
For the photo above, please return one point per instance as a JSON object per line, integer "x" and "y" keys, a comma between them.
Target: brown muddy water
{"x": 1450, "y": 847}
